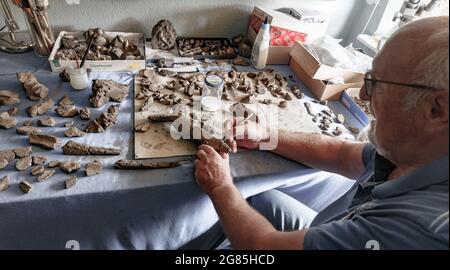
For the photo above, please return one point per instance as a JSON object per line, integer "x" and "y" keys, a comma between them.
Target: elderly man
{"x": 400, "y": 197}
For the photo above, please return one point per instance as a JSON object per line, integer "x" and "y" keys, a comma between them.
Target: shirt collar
{"x": 431, "y": 174}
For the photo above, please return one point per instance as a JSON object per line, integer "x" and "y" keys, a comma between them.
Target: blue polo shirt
{"x": 410, "y": 212}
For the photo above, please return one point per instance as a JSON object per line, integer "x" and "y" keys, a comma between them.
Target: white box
{"x": 107, "y": 65}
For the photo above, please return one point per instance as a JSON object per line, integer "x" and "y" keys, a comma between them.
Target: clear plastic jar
{"x": 212, "y": 93}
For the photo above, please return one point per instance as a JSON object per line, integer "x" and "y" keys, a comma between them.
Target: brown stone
{"x": 164, "y": 35}
{"x": 85, "y": 113}
{"x": 27, "y": 123}
{"x": 105, "y": 90}
{"x": 144, "y": 164}
{"x": 7, "y": 155}
{"x": 40, "y": 108}
{"x": 47, "y": 122}
{"x": 3, "y": 163}
{"x": 69, "y": 124}
{"x": 142, "y": 127}
{"x": 74, "y": 132}
{"x": 23, "y": 152}
{"x": 8, "y": 97}
{"x": 38, "y": 160}
{"x": 74, "y": 148}
{"x": 45, "y": 175}
{"x": 26, "y": 187}
{"x": 26, "y": 130}
{"x": 37, "y": 170}
{"x": 71, "y": 181}
{"x": 13, "y": 111}
{"x": 69, "y": 166}
{"x": 48, "y": 142}
{"x": 66, "y": 110}
{"x": 7, "y": 121}
{"x": 54, "y": 163}
{"x": 4, "y": 183}
{"x": 34, "y": 90}
{"x": 23, "y": 163}
{"x": 65, "y": 100}
{"x": 93, "y": 168}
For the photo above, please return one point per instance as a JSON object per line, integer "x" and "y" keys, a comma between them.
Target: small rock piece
{"x": 40, "y": 108}
{"x": 37, "y": 170}
{"x": 35, "y": 90}
{"x": 38, "y": 160}
{"x": 104, "y": 121}
{"x": 8, "y": 97}
{"x": 7, "y": 155}
{"x": 45, "y": 141}
{"x": 45, "y": 175}
{"x": 69, "y": 124}
{"x": 47, "y": 122}
{"x": 54, "y": 164}
{"x": 164, "y": 35}
{"x": 142, "y": 127}
{"x": 66, "y": 110}
{"x": 26, "y": 187}
{"x": 23, "y": 152}
{"x": 69, "y": 166}
{"x": 71, "y": 181}
{"x": 283, "y": 104}
{"x": 23, "y": 163}
{"x": 93, "y": 168}
{"x": 85, "y": 113}
{"x": 27, "y": 123}
{"x": 13, "y": 111}
{"x": 26, "y": 130}
{"x": 4, "y": 183}
{"x": 3, "y": 163}
{"x": 74, "y": 132}
{"x": 74, "y": 148}
{"x": 105, "y": 90}
{"x": 7, "y": 121}
{"x": 65, "y": 100}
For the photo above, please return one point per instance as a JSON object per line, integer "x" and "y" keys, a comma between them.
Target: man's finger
{"x": 232, "y": 144}
{"x": 201, "y": 154}
{"x": 207, "y": 149}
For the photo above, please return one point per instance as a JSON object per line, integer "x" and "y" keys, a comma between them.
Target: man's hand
{"x": 248, "y": 135}
{"x": 212, "y": 170}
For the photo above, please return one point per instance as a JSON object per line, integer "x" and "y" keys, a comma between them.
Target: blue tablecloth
{"x": 157, "y": 209}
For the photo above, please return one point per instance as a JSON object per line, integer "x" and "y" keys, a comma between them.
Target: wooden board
{"x": 157, "y": 142}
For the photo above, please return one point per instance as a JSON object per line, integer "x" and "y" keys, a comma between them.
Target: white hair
{"x": 433, "y": 70}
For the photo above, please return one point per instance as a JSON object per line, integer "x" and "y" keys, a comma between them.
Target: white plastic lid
{"x": 213, "y": 80}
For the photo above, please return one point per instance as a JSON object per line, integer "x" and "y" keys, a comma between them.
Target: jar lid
{"x": 213, "y": 80}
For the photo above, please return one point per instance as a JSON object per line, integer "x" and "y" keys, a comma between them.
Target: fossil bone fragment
{"x": 8, "y": 97}
{"x": 142, "y": 127}
{"x": 93, "y": 168}
{"x": 23, "y": 152}
{"x": 105, "y": 90}
{"x": 27, "y": 130}
{"x": 144, "y": 164}
{"x": 164, "y": 35}
{"x": 70, "y": 182}
{"x": 4, "y": 183}
{"x": 69, "y": 166}
{"x": 7, "y": 155}
{"x": 54, "y": 163}
{"x": 45, "y": 175}
{"x": 35, "y": 91}
{"x": 37, "y": 170}
{"x": 74, "y": 132}
{"x": 7, "y": 121}
{"x": 13, "y": 111}
{"x": 85, "y": 113}
{"x": 38, "y": 160}
{"x": 26, "y": 187}
{"x": 23, "y": 163}
{"x": 74, "y": 148}
{"x": 66, "y": 110}
{"x": 40, "y": 108}
{"x": 47, "y": 122}
{"x": 48, "y": 142}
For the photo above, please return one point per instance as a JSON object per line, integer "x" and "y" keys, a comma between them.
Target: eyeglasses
{"x": 371, "y": 83}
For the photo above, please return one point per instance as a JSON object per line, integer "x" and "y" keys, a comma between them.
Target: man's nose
{"x": 363, "y": 94}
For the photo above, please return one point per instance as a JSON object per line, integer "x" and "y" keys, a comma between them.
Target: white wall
{"x": 190, "y": 17}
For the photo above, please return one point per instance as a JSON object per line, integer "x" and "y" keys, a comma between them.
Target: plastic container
{"x": 212, "y": 93}
{"x": 260, "y": 49}
{"x": 79, "y": 79}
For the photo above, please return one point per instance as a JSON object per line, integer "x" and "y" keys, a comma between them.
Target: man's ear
{"x": 436, "y": 111}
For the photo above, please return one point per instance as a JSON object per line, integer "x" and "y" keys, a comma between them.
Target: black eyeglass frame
{"x": 368, "y": 89}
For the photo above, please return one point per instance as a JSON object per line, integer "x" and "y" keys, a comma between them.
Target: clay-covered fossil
{"x": 93, "y": 168}
{"x": 48, "y": 142}
{"x": 7, "y": 121}
{"x": 35, "y": 91}
{"x": 74, "y": 148}
{"x": 40, "y": 108}
{"x": 70, "y": 166}
{"x": 144, "y": 164}
{"x": 105, "y": 90}
{"x": 8, "y": 97}
{"x": 164, "y": 35}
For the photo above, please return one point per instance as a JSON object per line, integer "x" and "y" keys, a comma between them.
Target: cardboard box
{"x": 285, "y": 30}
{"x": 109, "y": 65}
{"x": 315, "y": 75}
{"x": 320, "y": 71}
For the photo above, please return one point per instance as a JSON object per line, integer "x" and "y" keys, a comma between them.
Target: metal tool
{"x": 10, "y": 42}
